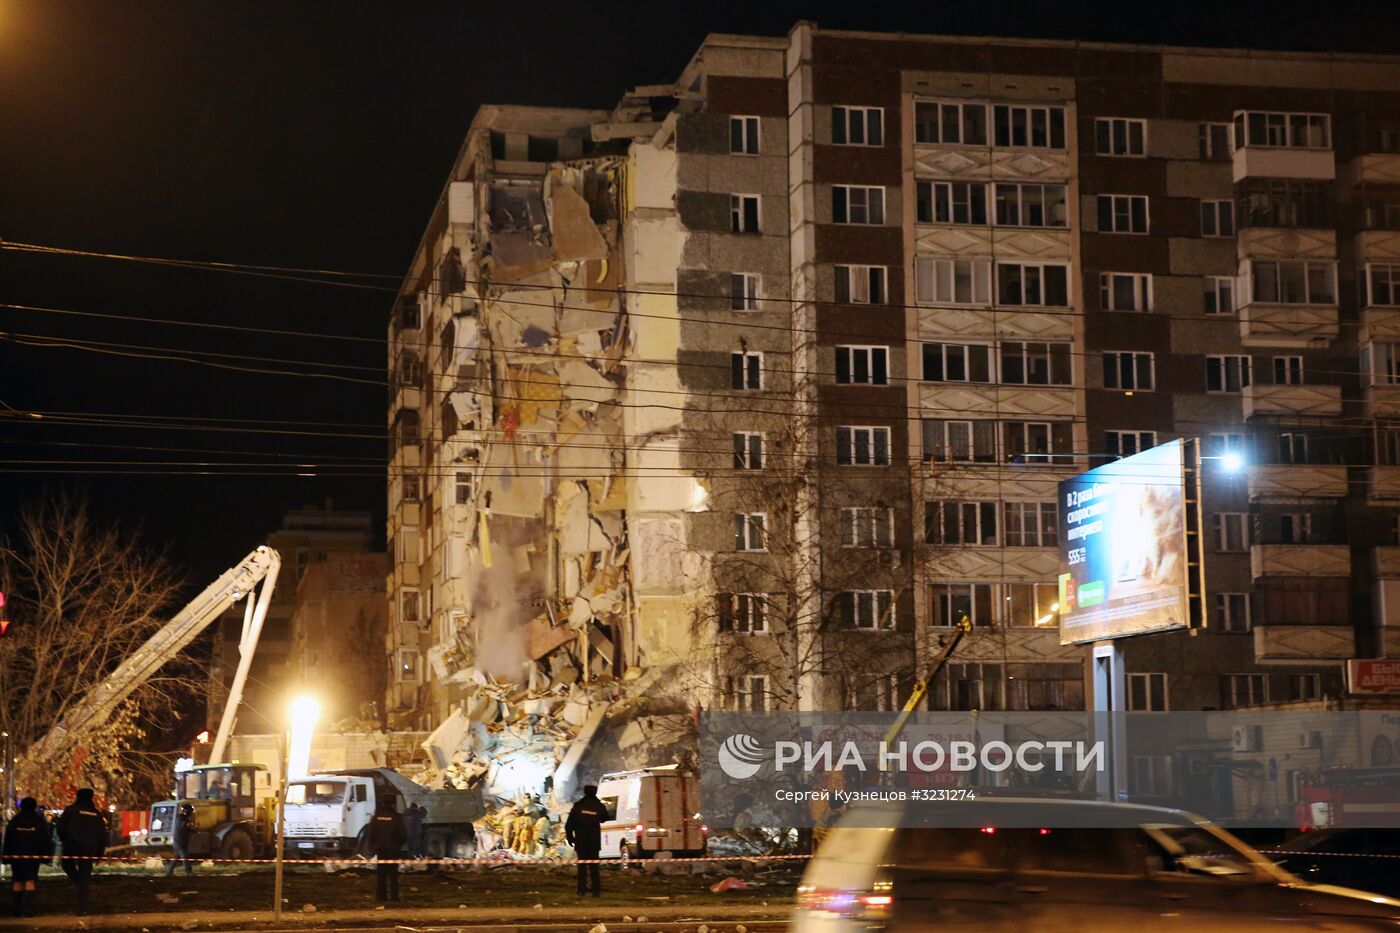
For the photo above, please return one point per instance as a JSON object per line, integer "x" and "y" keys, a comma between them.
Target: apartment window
{"x": 1215, "y": 142}
{"x": 1217, "y": 219}
{"x": 868, "y": 609}
{"x": 746, "y": 370}
{"x": 1379, "y": 212}
{"x": 957, "y": 362}
{"x": 406, "y": 669}
{"x": 1295, "y": 528}
{"x": 1024, "y": 283}
{"x": 749, "y": 613}
{"x": 867, "y": 526}
{"x": 1232, "y": 612}
{"x": 970, "y": 523}
{"x": 1127, "y": 369}
{"x": 1288, "y": 370}
{"x": 1220, "y": 294}
{"x": 1304, "y": 686}
{"x": 406, "y": 427}
{"x": 1033, "y": 362}
{"x": 959, "y": 441}
{"x": 1127, "y": 443}
{"x": 1383, "y": 283}
{"x": 744, "y": 291}
{"x": 1284, "y": 202}
{"x": 743, "y": 135}
{"x": 1382, "y": 362}
{"x": 1038, "y": 442}
{"x": 1122, "y": 213}
{"x": 878, "y": 693}
{"x": 743, "y": 213}
{"x": 1030, "y": 524}
{"x": 1030, "y": 205}
{"x": 1292, "y": 447}
{"x": 1231, "y": 531}
{"x": 747, "y": 693}
{"x": 857, "y": 204}
{"x": 950, "y": 602}
{"x": 1116, "y": 136}
{"x": 1218, "y": 445}
{"x": 410, "y": 488}
{"x": 1282, "y": 130}
{"x": 952, "y": 281}
{"x": 858, "y": 126}
{"x": 865, "y": 365}
{"x": 748, "y": 450}
{"x": 462, "y": 488}
{"x": 1293, "y": 282}
{"x": 1243, "y": 690}
{"x": 1150, "y": 775}
{"x": 1227, "y": 373}
{"x": 410, "y": 606}
{"x": 861, "y": 285}
{"x": 409, "y": 313}
{"x": 1125, "y": 291}
{"x": 863, "y": 446}
{"x": 750, "y": 531}
{"x": 1029, "y": 127}
{"x": 410, "y": 369}
{"x": 951, "y": 202}
{"x": 950, "y": 123}
{"x": 1147, "y": 693}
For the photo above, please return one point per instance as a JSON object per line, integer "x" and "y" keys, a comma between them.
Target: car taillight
{"x": 704, "y": 829}
{"x": 871, "y": 904}
{"x": 989, "y": 829}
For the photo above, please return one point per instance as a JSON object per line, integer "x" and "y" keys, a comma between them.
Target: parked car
{"x": 1059, "y": 865}
{"x": 1368, "y": 859}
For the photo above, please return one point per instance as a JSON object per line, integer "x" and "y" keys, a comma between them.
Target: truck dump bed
{"x": 443, "y": 806}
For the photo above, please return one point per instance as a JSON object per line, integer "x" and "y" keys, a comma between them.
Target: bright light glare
{"x": 1232, "y": 462}
{"x": 303, "y": 713}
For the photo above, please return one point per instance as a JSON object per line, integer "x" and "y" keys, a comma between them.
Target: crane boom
{"x": 921, "y": 686}
{"x": 97, "y": 706}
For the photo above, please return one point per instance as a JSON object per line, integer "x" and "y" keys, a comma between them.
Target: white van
{"x": 654, "y": 810}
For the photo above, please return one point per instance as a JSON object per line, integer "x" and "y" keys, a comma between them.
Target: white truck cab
{"x": 329, "y": 814}
{"x": 654, "y": 810}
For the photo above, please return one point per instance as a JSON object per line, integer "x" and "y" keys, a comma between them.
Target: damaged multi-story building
{"x": 766, "y": 377}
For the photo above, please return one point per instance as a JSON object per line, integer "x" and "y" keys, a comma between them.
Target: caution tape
{"x": 299, "y": 860}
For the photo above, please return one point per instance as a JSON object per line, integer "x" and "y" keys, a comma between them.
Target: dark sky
{"x": 319, "y": 134}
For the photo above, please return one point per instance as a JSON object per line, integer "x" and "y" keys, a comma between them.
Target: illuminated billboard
{"x": 1124, "y": 546}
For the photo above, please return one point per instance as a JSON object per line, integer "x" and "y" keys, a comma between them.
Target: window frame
{"x": 1291, "y": 367}
{"x": 952, "y": 351}
{"x": 753, "y": 601}
{"x": 935, "y": 275}
{"x": 1220, "y": 532}
{"x": 966, "y": 519}
{"x": 749, "y": 135}
{"x": 1041, "y": 268}
{"x": 1147, "y": 679}
{"x": 1129, "y": 216}
{"x": 1230, "y": 694}
{"x": 1113, "y": 441}
{"x": 1056, "y": 134}
{"x": 747, "y": 365}
{"x": 1057, "y": 356}
{"x": 1286, "y": 123}
{"x": 1226, "y": 606}
{"x": 866, "y": 112}
{"x": 843, "y": 207}
{"x": 1391, "y": 287}
{"x": 1243, "y": 364}
{"x": 1039, "y": 509}
{"x": 1137, "y": 357}
{"x": 877, "y": 364}
{"x": 1253, "y": 275}
{"x": 854, "y": 280}
{"x": 745, "y": 292}
{"x": 742, "y": 219}
{"x": 1141, "y": 284}
{"x": 876, "y": 520}
{"x": 872, "y": 445}
{"x": 459, "y": 485}
{"x": 1024, "y": 207}
{"x": 1112, "y": 125}
{"x": 1213, "y": 211}
{"x": 876, "y": 615}
{"x": 962, "y": 107}
{"x": 1216, "y": 285}
{"x": 750, "y": 529}
{"x": 942, "y": 204}
{"x": 744, "y": 450}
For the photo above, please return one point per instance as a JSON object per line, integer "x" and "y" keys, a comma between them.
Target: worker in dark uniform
{"x": 82, "y": 829}
{"x": 387, "y": 835}
{"x": 180, "y": 840}
{"x": 413, "y": 821}
{"x": 28, "y": 834}
{"x": 584, "y": 831}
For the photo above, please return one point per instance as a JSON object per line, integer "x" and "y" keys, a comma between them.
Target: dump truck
{"x": 329, "y": 814}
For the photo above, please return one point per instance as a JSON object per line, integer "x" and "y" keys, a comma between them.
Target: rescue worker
{"x": 180, "y": 840}
{"x": 413, "y": 821}
{"x": 584, "y": 831}
{"x": 28, "y": 834}
{"x": 82, "y": 829}
{"x": 387, "y": 836}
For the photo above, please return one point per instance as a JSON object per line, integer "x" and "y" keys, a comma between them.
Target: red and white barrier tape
{"x": 299, "y": 860}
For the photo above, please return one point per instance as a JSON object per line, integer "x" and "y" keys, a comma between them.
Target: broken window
{"x": 408, "y": 313}
{"x": 462, "y": 488}
{"x": 410, "y": 488}
{"x": 410, "y": 370}
{"x": 517, "y": 209}
{"x": 746, "y": 371}
{"x": 748, "y": 450}
{"x": 410, "y": 608}
{"x": 750, "y": 531}
{"x": 744, "y": 291}
{"x": 407, "y": 669}
{"x": 743, "y": 213}
{"x": 743, "y": 135}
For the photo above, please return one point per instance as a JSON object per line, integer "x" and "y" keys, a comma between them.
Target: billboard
{"x": 1123, "y": 546}
{"x": 1376, "y": 676}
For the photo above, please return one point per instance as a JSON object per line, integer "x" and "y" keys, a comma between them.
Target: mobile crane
{"x": 260, "y": 567}
{"x": 920, "y": 690}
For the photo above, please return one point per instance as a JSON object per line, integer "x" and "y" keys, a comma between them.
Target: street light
{"x": 301, "y": 716}
{"x": 1232, "y": 462}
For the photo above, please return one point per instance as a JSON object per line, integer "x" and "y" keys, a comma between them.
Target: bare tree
{"x": 82, "y": 597}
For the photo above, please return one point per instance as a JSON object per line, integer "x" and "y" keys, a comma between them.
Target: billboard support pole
{"x": 1110, "y": 702}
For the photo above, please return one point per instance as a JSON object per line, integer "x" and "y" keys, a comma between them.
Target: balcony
{"x": 1383, "y": 485}
{"x": 1288, "y": 325}
{"x": 1285, "y": 643}
{"x": 1288, "y": 482}
{"x": 1382, "y": 401}
{"x": 1283, "y": 162}
{"x": 1379, "y": 324}
{"x": 1299, "y": 560}
{"x": 1375, "y": 168}
{"x": 1385, "y": 562}
{"x": 945, "y": 400}
{"x": 1311, "y": 400}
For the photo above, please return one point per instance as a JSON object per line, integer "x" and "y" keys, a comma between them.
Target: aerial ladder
{"x": 239, "y": 582}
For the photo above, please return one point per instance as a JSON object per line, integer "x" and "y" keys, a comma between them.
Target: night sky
{"x": 319, "y": 135}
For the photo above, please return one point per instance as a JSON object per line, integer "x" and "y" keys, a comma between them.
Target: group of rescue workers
{"x": 82, "y": 829}
{"x": 29, "y": 843}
